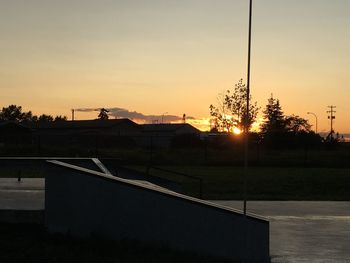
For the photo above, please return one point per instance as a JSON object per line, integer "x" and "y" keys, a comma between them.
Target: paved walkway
{"x": 299, "y": 231}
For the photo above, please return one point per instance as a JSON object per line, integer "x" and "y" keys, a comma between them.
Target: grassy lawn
{"x": 31, "y": 243}
{"x": 264, "y": 183}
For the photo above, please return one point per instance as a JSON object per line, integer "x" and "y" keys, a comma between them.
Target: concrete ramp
{"x": 83, "y": 202}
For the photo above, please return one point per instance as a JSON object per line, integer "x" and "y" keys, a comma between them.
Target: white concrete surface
{"x": 301, "y": 231}
{"x": 28, "y": 194}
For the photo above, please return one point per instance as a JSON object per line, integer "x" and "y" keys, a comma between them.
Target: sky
{"x": 170, "y": 57}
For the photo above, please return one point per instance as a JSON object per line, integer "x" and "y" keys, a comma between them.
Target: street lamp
{"x": 315, "y": 118}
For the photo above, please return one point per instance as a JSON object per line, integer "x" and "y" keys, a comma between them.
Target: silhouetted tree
{"x": 221, "y": 119}
{"x": 103, "y": 115}
{"x": 34, "y": 118}
{"x": 231, "y": 110}
{"x": 28, "y": 116}
{"x": 60, "y": 118}
{"x": 45, "y": 118}
{"x": 297, "y": 124}
{"x": 236, "y": 102}
{"x": 274, "y": 118}
{"x": 279, "y": 130}
{"x": 14, "y": 113}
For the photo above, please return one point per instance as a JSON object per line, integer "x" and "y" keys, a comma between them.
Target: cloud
{"x": 86, "y": 109}
{"x": 137, "y": 116}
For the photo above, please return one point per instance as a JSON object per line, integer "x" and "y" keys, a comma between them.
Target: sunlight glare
{"x": 237, "y": 131}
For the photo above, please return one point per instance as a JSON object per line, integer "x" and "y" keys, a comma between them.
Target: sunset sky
{"x": 174, "y": 56}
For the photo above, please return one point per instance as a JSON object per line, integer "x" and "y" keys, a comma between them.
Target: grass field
{"x": 264, "y": 183}
{"x": 31, "y": 243}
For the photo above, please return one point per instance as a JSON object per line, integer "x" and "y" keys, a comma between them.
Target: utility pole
{"x": 331, "y": 116}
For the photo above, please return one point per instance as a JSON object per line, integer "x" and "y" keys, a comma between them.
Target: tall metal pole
{"x": 246, "y": 126}
{"x": 315, "y": 118}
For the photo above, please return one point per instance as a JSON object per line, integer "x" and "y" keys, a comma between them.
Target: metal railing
{"x": 198, "y": 179}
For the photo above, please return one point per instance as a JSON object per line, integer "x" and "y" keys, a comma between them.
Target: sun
{"x": 237, "y": 131}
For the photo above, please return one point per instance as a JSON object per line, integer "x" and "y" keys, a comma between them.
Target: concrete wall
{"x": 81, "y": 203}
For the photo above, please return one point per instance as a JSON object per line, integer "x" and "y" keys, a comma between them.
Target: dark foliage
{"x": 280, "y": 131}
{"x": 186, "y": 141}
{"x": 15, "y": 113}
{"x": 231, "y": 109}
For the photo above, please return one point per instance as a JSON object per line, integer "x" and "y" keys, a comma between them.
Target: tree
{"x": 60, "y": 118}
{"x": 14, "y": 113}
{"x": 274, "y": 118}
{"x": 29, "y": 117}
{"x": 45, "y": 118}
{"x": 231, "y": 109}
{"x": 221, "y": 119}
{"x": 11, "y": 113}
{"x": 236, "y": 102}
{"x": 297, "y": 124}
{"x": 279, "y": 130}
{"x": 103, "y": 115}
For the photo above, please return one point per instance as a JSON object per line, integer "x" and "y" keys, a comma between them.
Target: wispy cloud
{"x": 87, "y": 109}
